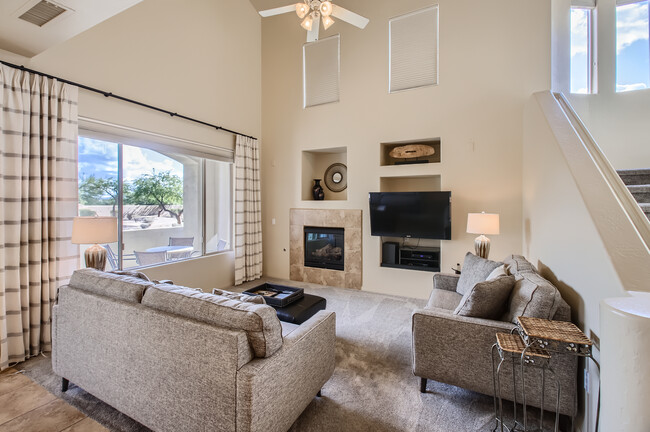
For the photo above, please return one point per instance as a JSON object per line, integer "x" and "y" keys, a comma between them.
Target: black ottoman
{"x": 301, "y": 310}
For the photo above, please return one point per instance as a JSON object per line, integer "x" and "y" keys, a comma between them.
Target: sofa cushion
{"x": 239, "y": 296}
{"x": 443, "y": 299}
{"x": 487, "y": 299}
{"x": 259, "y": 321}
{"x": 532, "y": 296}
{"x": 475, "y": 269}
{"x": 518, "y": 264}
{"x": 120, "y": 287}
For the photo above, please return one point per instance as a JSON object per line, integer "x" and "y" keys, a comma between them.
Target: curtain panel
{"x": 38, "y": 199}
{"x": 248, "y": 211}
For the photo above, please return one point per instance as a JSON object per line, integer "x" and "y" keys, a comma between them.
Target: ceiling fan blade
{"x": 349, "y": 17}
{"x": 278, "y": 11}
{"x": 312, "y": 35}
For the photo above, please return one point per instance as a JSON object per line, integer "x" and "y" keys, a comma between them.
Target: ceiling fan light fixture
{"x": 326, "y": 8}
{"x": 307, "y": 23}
{"x": 301, "y": 10}
{"x": 327, "y": 22}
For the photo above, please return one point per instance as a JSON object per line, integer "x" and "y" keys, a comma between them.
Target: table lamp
{"x": 482, "y": 223}
{"x": 89, "y": 230}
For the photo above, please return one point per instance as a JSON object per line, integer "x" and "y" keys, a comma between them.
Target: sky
{"x": 100, "y": 158}
{"x": 632, "y": 49}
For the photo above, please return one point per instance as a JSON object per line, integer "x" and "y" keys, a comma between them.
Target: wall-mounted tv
{"x": 411, "y": 214}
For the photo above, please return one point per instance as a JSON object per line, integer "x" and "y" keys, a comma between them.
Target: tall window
{"x": 582, "y": 63}
{"x": 170, "y": 205}
{"x": 632, "y": 50}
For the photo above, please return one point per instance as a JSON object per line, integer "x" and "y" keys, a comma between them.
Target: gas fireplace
{"x": 324, "y": 247}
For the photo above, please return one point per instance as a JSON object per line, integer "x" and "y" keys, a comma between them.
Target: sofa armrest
{"x": 273, "y": 391}
{"x": 449, "y": 347}
{"x": 445, "y": 281}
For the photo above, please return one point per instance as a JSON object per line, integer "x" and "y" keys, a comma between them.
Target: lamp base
{"x": 95, "y": 257}
{"x": 482, "y": 246}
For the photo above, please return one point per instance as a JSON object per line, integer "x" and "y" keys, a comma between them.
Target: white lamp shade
{"x": 483, "y": 223}
{"x": 93, "y": 230}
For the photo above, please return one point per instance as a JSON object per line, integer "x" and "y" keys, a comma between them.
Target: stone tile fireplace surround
{"x": 350, "y": 221}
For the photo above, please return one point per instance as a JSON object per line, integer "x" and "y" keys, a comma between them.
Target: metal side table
{"x": 555, "y": 337}
{"x": 511, "y": 347}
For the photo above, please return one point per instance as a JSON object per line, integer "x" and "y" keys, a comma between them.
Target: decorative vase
{"x": 317, "y": 190}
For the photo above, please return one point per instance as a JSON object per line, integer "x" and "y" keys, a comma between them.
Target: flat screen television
{"x": 411, "y": 214}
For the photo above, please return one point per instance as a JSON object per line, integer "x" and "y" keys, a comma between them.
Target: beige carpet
{"x": 372, "y": 388}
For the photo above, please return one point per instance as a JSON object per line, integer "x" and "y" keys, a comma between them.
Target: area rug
{"x": 372, "y": 389}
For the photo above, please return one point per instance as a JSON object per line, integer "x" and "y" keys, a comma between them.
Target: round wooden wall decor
{"x": 336, "y": 177}
{"x": 411, "y": 151}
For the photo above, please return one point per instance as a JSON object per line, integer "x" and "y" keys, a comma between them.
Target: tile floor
{"x": 28, "y": 407}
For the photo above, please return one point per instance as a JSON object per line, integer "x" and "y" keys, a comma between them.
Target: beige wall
{"x": 493, "y": 55}
{"x": 560, "y": 237}
{"x": 200, "y": 58}
{"x": 617, "y": 121}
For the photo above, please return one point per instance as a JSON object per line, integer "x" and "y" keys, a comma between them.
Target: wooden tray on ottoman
{"x": 277, "y": 295}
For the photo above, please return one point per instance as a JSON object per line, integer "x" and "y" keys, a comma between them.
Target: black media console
{"x": 420, "y": 258}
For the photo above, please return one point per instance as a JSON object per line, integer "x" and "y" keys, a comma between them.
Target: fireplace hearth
{"x": 324, "y": 248}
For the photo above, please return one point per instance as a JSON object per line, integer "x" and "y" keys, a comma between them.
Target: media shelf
{"x": 419, "y": 258}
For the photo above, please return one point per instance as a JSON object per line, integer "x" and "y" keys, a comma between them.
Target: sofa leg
{"x": 319, "y": 394}
{"x": 64, "y": 385}
{"x": 423, "y": 385}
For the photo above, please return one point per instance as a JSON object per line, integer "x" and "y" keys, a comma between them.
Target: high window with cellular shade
{"x": 321, "y": 68}
{"x": 413, "y": 49}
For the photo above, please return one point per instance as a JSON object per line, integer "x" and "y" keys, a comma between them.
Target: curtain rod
{"x": 122, "y": 98}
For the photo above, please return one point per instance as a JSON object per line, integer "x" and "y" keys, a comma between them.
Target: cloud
{"x": 630, "y": 87}
{"x": 579, "y": 31}
{"x": 99, "y": 158}
{"x": 631, "y": 24}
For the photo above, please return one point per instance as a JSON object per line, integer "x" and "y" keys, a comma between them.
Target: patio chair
{"x": 181, "y": 241}
{"x": 112, "y": 259}
{"x": 222, "y": 245}
{"x": 148, "y": 258}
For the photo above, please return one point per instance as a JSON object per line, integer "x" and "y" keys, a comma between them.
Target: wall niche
{"x": 330, "y": 166}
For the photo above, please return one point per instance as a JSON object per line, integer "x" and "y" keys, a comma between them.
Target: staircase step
{"x": 641, "y": 193}
{"x": 635, "y": 176}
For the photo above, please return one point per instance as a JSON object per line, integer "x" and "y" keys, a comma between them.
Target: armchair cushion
{"x": 475, "y": 269}
{"x": 486, "y": 299}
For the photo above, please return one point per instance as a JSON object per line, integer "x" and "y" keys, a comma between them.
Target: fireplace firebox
{"x": 324, "y": 248}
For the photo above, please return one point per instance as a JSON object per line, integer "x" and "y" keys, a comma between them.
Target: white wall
{"x": 493, "y": 55}
{"x": 618, "y": 121}
{"x": 200, "y": 58}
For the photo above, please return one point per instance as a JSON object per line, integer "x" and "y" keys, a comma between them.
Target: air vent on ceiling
{"x": 42, "y": 13}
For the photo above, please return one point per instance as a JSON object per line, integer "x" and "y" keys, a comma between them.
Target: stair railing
{"x": 629, "y": 204}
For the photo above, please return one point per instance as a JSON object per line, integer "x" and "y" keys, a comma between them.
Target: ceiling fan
{"x": 313, "y": 11}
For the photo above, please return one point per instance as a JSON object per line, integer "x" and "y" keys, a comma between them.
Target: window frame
{"x": 592, "y": 70}
{"x": 617, "y": 4}
{"x": 135, "y": 140}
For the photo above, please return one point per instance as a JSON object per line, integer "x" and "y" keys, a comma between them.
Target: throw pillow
{"x": 486, "y": 299}
{"x": 518, "y": 264}
{"x": 532, "y": 296}
{"x": 239, "y": 296}
{"x": 497, "y": 273}
{"x": 475, "y": 269}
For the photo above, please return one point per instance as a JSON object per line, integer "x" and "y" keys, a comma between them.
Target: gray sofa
{"x": 456, "y": 349}
{"x": 176, "y": 359}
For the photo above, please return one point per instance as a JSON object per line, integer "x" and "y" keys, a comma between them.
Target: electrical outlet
{"x": 586, "y": 380}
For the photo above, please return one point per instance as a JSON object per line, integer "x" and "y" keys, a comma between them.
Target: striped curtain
{"x": 248, "y": 211}
{"x": 38, "y": 199}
